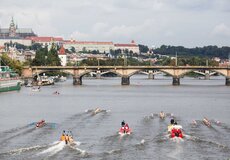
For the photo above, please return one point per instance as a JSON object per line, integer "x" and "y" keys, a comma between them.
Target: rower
{"x": 62, "y": 137}
{"x": 171, "y": 125}
{"x": 123, "y": 123}
{"x": 97, "y": 110}
{"x": 66, "y": 139}
{"x": 162, "y": 115}
{"x": 206, "y": 122}
{"x": 194, "y": 122}
{"x": 126, "y": 128}
{"x": 70, "y": 138}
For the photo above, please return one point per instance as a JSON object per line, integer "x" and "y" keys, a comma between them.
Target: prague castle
{"x": 27, "y": 37}
{"x": 13, "y": 32}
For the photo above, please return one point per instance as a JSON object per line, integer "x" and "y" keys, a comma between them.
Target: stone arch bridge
{"x": 125, "y": 72}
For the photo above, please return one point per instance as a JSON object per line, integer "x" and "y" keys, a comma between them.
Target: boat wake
{"x": 22, "y": 133}
{"x": 177, "y": 139}
{"x": 82, "y": 152}
{"x": 57, "y": 147}
{"x": 21, "y": 150}
{"x": 76, "y": 116}
{"x": 176, "y": 152}
{"x": 13, "y": 130}
{"x": 199, "y": 140}
{"x": 141, "y": 144}
{"x": 113, "y": 151}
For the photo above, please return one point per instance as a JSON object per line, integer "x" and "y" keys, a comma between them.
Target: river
{"x": 138, "y": 104}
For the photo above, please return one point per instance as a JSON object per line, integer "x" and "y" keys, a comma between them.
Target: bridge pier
{"x": 98, "y": 75}
{"x": 176, "y": 81}
{"x": 151, "y": 76}
{"x": 125, "y": 80}
{"x": 77, "y": 80}
{"x": 207, "y": 75}
{"x": 227, "y": 82}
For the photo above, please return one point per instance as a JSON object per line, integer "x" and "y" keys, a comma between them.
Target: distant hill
{"x": 206, "y": 51}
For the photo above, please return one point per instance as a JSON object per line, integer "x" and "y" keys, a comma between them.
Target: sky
{"x": 189, "y": 23}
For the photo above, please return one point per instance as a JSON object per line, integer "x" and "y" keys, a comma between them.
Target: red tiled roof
{"x": 44, "y": 39}
{"x": 125, "y": 45}
{"x": 62, "y": 51}
{"x": 87, "y": 42}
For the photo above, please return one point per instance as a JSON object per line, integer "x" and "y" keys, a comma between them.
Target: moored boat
{"x": 45, "y": 80}
{"x": 9, "y": 80}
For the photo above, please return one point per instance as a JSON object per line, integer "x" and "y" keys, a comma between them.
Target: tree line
{"x": 206, "y": 51}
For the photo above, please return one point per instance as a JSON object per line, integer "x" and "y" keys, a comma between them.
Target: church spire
{"x": 12, "y": 21}
{"x": 12, "y": 29}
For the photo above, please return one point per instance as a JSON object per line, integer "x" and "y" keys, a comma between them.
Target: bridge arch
{"x": 82, "y": 74}
{"x": 110, "y": 71}
{"x": 222, "y": 72}
{"x": 135, "y": 72}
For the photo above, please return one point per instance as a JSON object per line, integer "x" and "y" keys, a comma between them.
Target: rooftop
{"x": 87, "y": 42}
{"x": 44, "y": 39}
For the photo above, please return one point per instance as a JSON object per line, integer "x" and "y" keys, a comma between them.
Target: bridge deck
{"x": 126, "y": 67}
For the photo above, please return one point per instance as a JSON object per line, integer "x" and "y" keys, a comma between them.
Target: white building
{"x": 62, "y": 55}
{"x": 130, "y": 47}
{"x": 89, "y": 46}
{"x": 25, "y": 42}
{"x": 46, "y": 41}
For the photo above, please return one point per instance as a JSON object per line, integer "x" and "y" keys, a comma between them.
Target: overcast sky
{"x": 152, "y": 22}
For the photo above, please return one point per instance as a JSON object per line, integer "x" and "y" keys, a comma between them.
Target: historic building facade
{"x": 87, "y": 46}
{"x": 130, "y": 47}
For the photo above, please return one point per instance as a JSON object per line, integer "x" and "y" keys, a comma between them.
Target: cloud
{"x": 168, "y": 34}
{"x": 79, "y": 36}
{"x": 100, "y": 27}
{"x": 221, "y": 30}
{"x": 151, "y": 22}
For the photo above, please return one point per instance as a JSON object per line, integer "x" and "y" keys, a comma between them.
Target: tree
{"x": 20, "y": 46}
{"x": 35, "y": 46}
{"x": 206, "y": 51}
{"x": 73, "y": 50}
{"x": 14, "y": 64}
{"x": 52, "y": 58}
{"x": 40, "y": 57}
{"x": 143, "y": 48}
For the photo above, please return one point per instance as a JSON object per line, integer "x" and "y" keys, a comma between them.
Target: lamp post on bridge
{"x": 176, "y": 60}
{"x": 176, "y": 78}
{"x": 98, "y": 62}
{"x": 125, "y": 58}
{"x": 45, "y": 60}
{"x": 227, "y": 81}
{"x": 228, "y": 59}
{"x": 150, "y": 60}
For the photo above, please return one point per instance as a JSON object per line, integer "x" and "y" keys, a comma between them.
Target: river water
{"x": 96, "y": 136}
